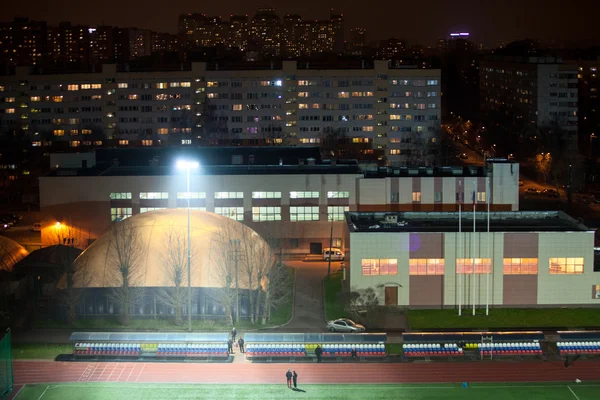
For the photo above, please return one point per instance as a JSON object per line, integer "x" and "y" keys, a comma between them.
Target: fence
{"x": 6, "y": 367}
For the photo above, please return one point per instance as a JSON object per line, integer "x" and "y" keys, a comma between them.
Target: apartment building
{"x": 538, "y": 91}
{"x": 395, "y": 110}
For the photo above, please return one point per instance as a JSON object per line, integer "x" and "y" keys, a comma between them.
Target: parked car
{"x": 550, "y": 193}
{"x": 345, "y": 325}
{"x": 333, "y": 253}
{"x": 532, "y": 191}
{"x": 463, "y": 156}
{"x": 6, "y": 221}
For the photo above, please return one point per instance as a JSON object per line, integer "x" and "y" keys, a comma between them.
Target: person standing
{"x": 353, "y": 353}
{"x": 230, "y": 346}
{"x": 318, "y": 353}
{"x": 295, "y": 378}
{"x": 567, "y": 361}
{"x": 241, "y": 344}
{"x": 288, "y": 376}
{"x": 233, "y": 333}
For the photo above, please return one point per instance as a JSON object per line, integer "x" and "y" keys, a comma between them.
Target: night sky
{"x": 419, "y": 21}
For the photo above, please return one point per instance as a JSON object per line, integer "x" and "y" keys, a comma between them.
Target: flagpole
{"x": 473, "y": 243}
{"x": 458, "y": 248}
{"x": 487, "y": 281}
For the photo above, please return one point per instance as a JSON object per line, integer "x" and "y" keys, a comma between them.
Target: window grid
{"x": 304, "y": 195}
{"x": 304, "y": 213}
{"x": 568, "y": 265}
{"x": 266, "y": 195}
{"x": 338, "y": 195}
{"x": 482, "y": 196}
{"x": 192, "y": 195}
{"x": 374, "y": 266}
{"x": 520, "y": 266}
{"x": 193, "y": 208}
{"x": 261, "y": 214}
{"x": 416, "y": 196}
{"x": 229, "y": 195}
{"x": 148, "y": 209}
{"x": 465, "y": 265}
{"x": 236, "y": 213}
{"x": 120, "y": 213}
{"x": 154, "y": 195}
{"x": 120, "y": 196}
{"x": 336, "y": 213}
{"x": 426, "y": 266}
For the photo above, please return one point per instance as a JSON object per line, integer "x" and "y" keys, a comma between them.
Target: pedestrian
{"x": 318, "y": 353}
{"x": 567, "y": 361}
{"x": 288, "y": 376}
{"x": 241, "y": 344}
{"x": 230, "y": 346}
{"x": 233, "y": 333}
{"x": 295, "y": 377}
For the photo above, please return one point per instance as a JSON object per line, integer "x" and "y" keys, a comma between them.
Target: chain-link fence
{"x": 6, "y": 366}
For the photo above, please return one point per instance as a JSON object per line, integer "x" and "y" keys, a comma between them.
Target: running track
{"x": 28, "y": 372}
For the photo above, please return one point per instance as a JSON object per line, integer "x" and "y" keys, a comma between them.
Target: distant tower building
{"x": 266, "y": 30}
{"x": 358, "y": 41}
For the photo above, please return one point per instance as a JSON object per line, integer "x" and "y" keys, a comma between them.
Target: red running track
{"x": 28, "y": 372}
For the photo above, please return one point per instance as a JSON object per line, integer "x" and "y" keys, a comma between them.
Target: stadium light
{"x": 187, "y": 166}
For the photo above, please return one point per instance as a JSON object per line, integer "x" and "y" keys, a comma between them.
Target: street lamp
{"x": 330, "y": 242}
{"x": 188, "y": 166}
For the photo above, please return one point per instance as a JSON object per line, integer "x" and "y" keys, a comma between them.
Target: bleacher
{"x": 578, "y": 342}
{"x": 294, "y": 347}
{"x": 151, "y": 346}
{"x": 438, "y": 344}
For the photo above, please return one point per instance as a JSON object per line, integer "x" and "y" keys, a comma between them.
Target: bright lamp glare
{"x": 184, "y": 164}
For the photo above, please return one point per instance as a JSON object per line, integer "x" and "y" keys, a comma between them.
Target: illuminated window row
{"x": 384, "y": 266}
{"x": 336, "y": 213}
{"x": 154, "y": 195}
{"x": 261, "y": 214}
{"x": 236, "y": 213}
{"x": 304, "y": 195}
{"x": 426, "y": 266}
{"x": 191, "y": 195}
{"x": 148, "y": 209}
{"x": 266, "y": 195}
{"x": 338, "y": 195}
{"x": 120, "y": 213}
{"x": 566, "y": 265}
{"x": 520, "y": 266}
{"x": 120, "y": 196}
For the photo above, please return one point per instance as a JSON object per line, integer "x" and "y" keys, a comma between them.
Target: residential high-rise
{"x": 22, "y": 42}
{"x": 266, "y": 32}
{"x": 102, "y": 44}
{"x": 588, "y": 75}
{"x": 395, "y": 111}
{"x": 358, "y": 41}
{"x": 238, "y": 32}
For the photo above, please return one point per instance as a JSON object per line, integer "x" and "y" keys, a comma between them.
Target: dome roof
{"x": 11, "y": 253}
{"x": 208, "y": 230}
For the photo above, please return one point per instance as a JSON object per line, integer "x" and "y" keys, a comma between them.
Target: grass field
{"x": 333, "y": 286}
{"x": 117, "y": 391}
{"x": 39, "y": 351}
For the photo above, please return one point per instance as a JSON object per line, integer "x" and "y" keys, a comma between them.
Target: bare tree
{"x": 173, "y": 260}
{"x": 277, "y": 281}
{"x": 333, "y": 141}
{"x": 224, "y": 269}
{"x": 125, "y": 267}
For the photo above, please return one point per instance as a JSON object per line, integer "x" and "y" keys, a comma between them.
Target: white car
{"x": 345, "y": 325}
{"x": 333, "y": 253}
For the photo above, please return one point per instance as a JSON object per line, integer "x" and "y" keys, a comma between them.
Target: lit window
{"x": 304, "y": 195}
{"x": 260, "y": 214}
{"x": 338, "y": 195}
{"x": 120, "y": 213}
{"x": 212, "y": 84}
{"x": 374, "y": 266}
{"x": 343, "y": 95}
{"x": 9, "y": 111}
{"x": 395, "y": 152}
{"x": 86, "y": 131}
{"x": 481, "y": 196}
{"x": 520, "y": 266}
{"x": 162, "y": 131}
{"x": 229, "y": 195}
{"x": 236, "y": 213}
{"x": 36, "y": 144}
{"x": 59, "y": 132}
{"x": 120, "y": 196}
{"x": 161, "y": 85}
{"x": 302, "y": 106}
{"x": 75, "y": 143}
{"x": 432, "y": 82}
{"x": 72, "y": 87}
{"x": 186, "y": 141}
{"x": 237, "y": 107}
{"x": 186, "y": 84}
{"x": 133, "y": 97}
{"x": 266, "y": 195}
{"x": 148, "y": 209}
{"x": 416, "y": 196}
{"x": 174, "y": 84}
{"x": 367, "y": 129}
{"x": 122, "y": 85}
{"x": 566, "y": 265}
{"x": 36, "y": 98}
{"x": 307, "y": 213}
{"x": 9, "y": 100}
{"x": 336, "y": 213}
{"x": 465, "y": 265}
{"x": 192, "y": 195}
{"x": 57, "y": 99}
{"x": 124, "y": 142}
{"x": 426, "y": 266}
{"x": 154, "y": 195}
{"x": 74, "y": 132}
{"x": 86, "y": 86}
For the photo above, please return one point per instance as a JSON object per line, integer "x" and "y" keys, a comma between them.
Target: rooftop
{"x": 519, "y": 221}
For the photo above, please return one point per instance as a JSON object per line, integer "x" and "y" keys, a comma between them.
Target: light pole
{"x": 330, "y": 242}
{"x": 188, "y": 166}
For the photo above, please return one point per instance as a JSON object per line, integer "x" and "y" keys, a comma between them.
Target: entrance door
{"x": 316, "y": 248}
{"x": 391, "y": 296}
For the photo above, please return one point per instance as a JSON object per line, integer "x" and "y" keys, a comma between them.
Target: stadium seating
{"x": 108, "y": 349}
{"x": 330, "y": 350}
{"x": 510, "y": 348}
{"x": 275, "y": 350}
{"x": 579, "y": 347}
{"x": 431, "y": 350}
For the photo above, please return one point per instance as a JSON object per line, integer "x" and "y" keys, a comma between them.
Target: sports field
{"x": 495, "y": 391}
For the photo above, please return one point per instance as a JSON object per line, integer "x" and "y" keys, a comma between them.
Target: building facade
{"x": 421, "y": 260}
{"x": 393, "y": 109}
{"x": 532, "y": 91}
{"x": 295, "y": 204}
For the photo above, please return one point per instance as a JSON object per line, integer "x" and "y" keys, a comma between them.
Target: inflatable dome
{"x": 11, "y": 253}
{"x": 210, "y": 237}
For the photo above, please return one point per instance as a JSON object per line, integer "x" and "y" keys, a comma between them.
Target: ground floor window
{"x": 374, "y": 266}
{"x": 569, "y": 265}
{"x": 520, "y": 266}
{"x": 336, "y": 213}
{"x": 120, "y": 213}
{"x": 426, "y": 266}
{"x": 306, "y": 213}
{"x": 236, "y": 213}
{"x": 466, "y": 265}
{"x": 260, "y": 214}
{"x": 148, "y": 209}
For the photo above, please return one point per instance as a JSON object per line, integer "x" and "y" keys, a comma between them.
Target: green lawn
{"x": 39, "y": 351}
{"x": 504, "y": 318}
{"x": 116, "y": 391}
{"x": 333, "y": 287}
